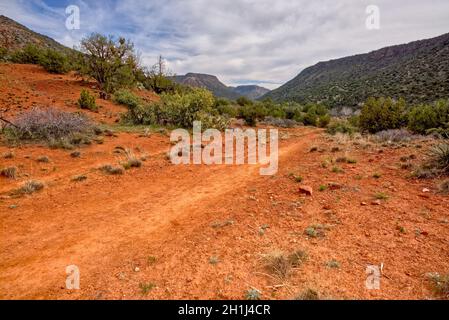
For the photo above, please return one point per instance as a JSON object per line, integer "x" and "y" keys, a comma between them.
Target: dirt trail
{"x": 99, "y": 221}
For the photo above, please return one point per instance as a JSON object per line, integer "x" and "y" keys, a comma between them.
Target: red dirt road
{"x": 199, "y": 232}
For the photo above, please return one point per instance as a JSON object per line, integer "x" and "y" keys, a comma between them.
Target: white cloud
{"x": 243, "y": 40}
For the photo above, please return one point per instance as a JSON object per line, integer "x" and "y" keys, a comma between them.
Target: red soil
{"x": 165, "y": 220}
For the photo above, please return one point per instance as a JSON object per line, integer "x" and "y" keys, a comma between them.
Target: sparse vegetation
{"x": 333, "y": 264}
{"x": 87, "y": 101}
{"x": 43, "y": 159}
{"x": 131, "y": 160}
{"x": 79, "y": 178}
{"x": 316, "y": 231}
{"x": 440, "y": 284}
{"x": 109, "y": 169}
{"x": 8, "y": 155}
{"x": 443, "y": 187}
{"x": 145, "y": 288}
{"x": 381, "y": 196}
{"x": 29, "y": 187}
{"x": 308, "y": 294}
{"x": 51, "y": 126}
{"x": 253, "y": 294}
{"x": 9, "y": 172}
{"x": 280, "y": 264}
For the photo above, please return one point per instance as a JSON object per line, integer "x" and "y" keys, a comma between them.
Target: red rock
{"x": 306, "y": 190}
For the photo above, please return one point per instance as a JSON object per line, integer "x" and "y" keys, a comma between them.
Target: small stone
{"x": 363, "y": 204}
{"x": 376, "y": 203}
{"x": 425, "y": 190}
{"x": 137, "y": 269}
{"x": 306, "y": 190}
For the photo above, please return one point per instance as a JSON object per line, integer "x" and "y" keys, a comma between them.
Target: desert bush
{"x": 281, "y": 123}
{"x": 131, "y": 160}
{"x": 8, "y": 155}
{"x": 425, "y": 119}
{"x": 382, "y": 114}
{"x": 87, "y": 101}
{"x": 10, "y": 172}
{"x": 439, "y": 158}
{"x": 244, "y": 101}
{"x": 179, "y": 110}
{"x": 323, "y": 121}
{"x": 112, "y": 63}
{"x": 31, "y": 54}
{"x": 43, "y": 159}
{"x": 253, "y": 294}
{"x": 29, "y": 187}
{"x": 54, "y": 62}
{"x": 395, "y": 135}
{"x": 308, "y": 294}
{"x": 108, "y": 169}
{"x": 340, "y": 126}
{"x": 443, "y": 187}
{"x": 51, "y": 126}
{"x": 79, "y": 178}
{"x": 280, "y": 263}
{"x": 440, "y": 283}
{"x": 3, "y": 54}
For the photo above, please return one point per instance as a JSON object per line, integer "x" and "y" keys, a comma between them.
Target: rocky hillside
{"x": 251, "y": 92}
{"x": 418, "y": 72}
{"x": 15, "y": 36}
{"x": 218, "y": 88}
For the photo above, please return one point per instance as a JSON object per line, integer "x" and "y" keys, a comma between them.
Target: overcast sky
{"x": 266, "y": 42}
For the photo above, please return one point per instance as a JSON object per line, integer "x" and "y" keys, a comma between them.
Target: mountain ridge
{"x": 15, "y": 36}
{"x": 218, "y": 88}
{"x": 417, "y": 71}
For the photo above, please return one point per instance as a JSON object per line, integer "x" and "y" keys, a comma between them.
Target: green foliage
{"x": 323, "y": 121}
{"x": 87, "y": 101}
{"x": 54, "y": 62}
{"x": 423, "y": 119}
{"x": 3, "y": 53}
{"x": 31, "y": 54}
{"x": 341, "y": 126}
{"x": 382, "y": 114}
{"x": 179, "y": 110}
{"x": 113, "y": 64}
{"x": 244, "y": 101}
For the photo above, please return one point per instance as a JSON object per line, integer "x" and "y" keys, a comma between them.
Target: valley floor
{"x": 201, "y": 232}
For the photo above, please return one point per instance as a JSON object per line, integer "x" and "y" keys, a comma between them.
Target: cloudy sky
{"x": 265, "y": 42}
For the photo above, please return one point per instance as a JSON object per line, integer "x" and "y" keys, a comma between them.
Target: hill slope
{"x": 251, "y": 92}
{"x": 218, "y": 88}
{"x": 418, "y": 71}
{"x": 14, "y": 36}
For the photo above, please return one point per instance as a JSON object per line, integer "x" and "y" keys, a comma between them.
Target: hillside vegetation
{"x": 417, "y": 72}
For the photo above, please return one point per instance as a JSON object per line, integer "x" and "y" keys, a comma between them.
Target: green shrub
{"x": 439, "y": 158}
{"x": 31, "y": 54}
{"x": 424, "y": 119}
{"x": 244, "y": 101}
{"x": 382, "y": 114}
{"x": 55, "y": 62}
{"x": 3, "y": 54}
{"x": 87, "y": 101}
{"x": 340, "y": 126}
{"x": 323, "y": 121}
{"x": 179, "y": 110}
{"x": 111, "y": 62}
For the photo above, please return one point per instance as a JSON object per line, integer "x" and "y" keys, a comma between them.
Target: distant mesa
{"x": 218, "y": 88}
